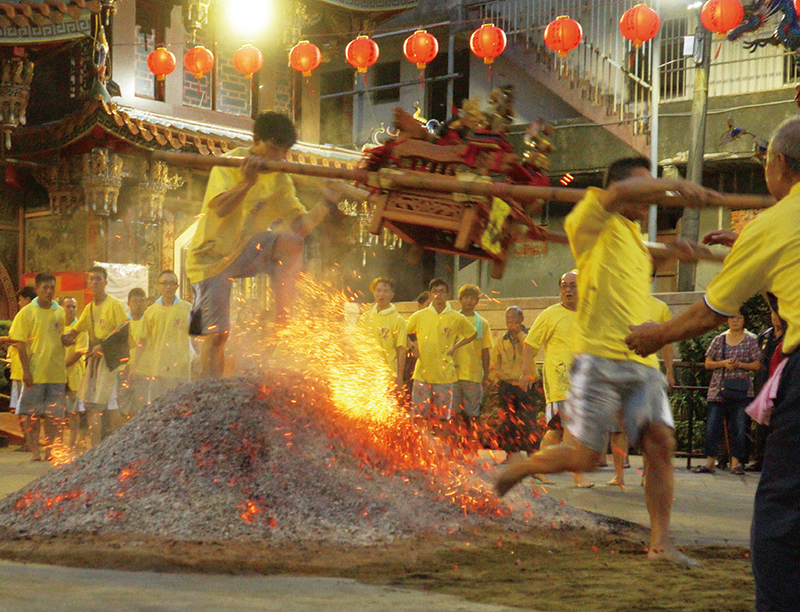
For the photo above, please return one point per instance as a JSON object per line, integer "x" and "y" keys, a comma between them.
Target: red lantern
{"x": 161, "y": 63}
{"x": 721, "y": 15}
{"x": 421, "y": 48}
{"x": 488, "y": 41}
{"x": 199, "y": 61}
{"x": 305, "y": 57}
{"x": 362, "y": 53}
{"x": 563, "y": 35}
{"x": 639, "y": 24}
{"x": 248, "y": 60}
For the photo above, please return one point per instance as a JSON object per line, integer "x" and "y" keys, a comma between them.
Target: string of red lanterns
{"x": 638, "y": 24}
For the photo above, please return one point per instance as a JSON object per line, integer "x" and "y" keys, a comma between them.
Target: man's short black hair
{"x": 438, "y": 282}
{"x": 28, "y": 293}
{"x": 275, "y": 127}
{"x": 98, "y": 270}
{"x": 622, "y": 169}
{"x": 44, "y": 277}
{"x": 136, "y": 292}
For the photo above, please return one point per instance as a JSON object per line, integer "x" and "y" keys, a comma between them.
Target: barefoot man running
{"x": 609, "y": 382}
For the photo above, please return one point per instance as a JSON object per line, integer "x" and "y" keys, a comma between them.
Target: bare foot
{"x": 543, "y": 479}
{"x": 584, "y": 484}
{"x": 516, "y": 470}
{"x": 673, "y": 555}
{"x": 616, "y": 482}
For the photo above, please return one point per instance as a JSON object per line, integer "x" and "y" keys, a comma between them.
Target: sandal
{"x": 701, "y": 469}
{"x": 738, "y": 470}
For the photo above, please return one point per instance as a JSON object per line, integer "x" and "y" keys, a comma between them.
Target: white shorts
{"x": 16, "y": 394}
{"x": 604, "y": 392}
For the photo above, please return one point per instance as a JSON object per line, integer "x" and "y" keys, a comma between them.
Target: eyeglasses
{"x": 168, "y": 283}
{"x": 572, "y": 286}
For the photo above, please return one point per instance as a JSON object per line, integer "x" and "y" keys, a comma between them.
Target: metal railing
{"x": 609, "y": 72}
{"x": 605, "y": 68}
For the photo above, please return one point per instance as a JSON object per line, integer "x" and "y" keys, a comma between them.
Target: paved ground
{"x": 708, "y": 509}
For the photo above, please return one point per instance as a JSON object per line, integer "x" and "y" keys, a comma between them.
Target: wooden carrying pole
{"x": 399, "y": 179}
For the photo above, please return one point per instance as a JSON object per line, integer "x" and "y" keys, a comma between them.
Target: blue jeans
{"x": 716, "y": 414}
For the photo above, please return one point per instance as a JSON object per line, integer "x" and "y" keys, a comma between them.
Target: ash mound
{"x": 265, "y": 458}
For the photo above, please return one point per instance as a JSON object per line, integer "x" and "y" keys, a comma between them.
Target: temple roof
{"x": 127, "y": 130}
{"x": 46, "y": 20}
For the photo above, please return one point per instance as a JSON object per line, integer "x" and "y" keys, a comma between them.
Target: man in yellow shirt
{"x": 437, "y": 328}
{"x": 386, "y": 327}
{"x": 24, "y": 297}
{"x": 100, "y": 318}
{"x": 76, "y": 367}
{"x": 472, "y": 361}
{"x": 518, "y": 429}
{"x": 552, "y": 331}
{"x": 765, "y": 257}
{"x": 250, "y": 223}
{"x": 130, "y": 393}
{"x": 37, "y": 331}
{"x": 166, "y": 356}
{"x": 608, "y": 380}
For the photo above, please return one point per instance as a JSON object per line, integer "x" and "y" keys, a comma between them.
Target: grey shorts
{"x": 432, "y": 400}
{"x": 44, "y": 399}
{"x": 606, "y": 391}
{"x": 467, "y": 396}
{"x": 211, "y": 298}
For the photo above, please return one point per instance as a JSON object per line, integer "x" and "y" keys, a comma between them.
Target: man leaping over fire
{"x": 250, "y": 223}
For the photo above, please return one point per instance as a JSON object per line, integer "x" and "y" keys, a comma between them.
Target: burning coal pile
{"x": 315, "y": 448}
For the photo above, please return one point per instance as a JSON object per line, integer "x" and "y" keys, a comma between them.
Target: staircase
{"x": 603, "y": 78}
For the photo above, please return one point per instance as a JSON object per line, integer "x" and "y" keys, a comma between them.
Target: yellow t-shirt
{"x": 41, "y": 329}
{"x": 436, "y": 335}
{"x": 108, "y": 317}
{"x": 661, "y": 313}
{"x": 388, "y": 329}
{"x": 134, "y": 336}
{"x": 614, "y": 269}
{"x": 218, "y": 241}
{"x": 468, "y": 358}
{"x": 552, "y": 330}
{"x": 507, "y": 358}
{"x": 76, "y": 370}
{"x": 765, "y": 257}
{"x": 165, "y": 333}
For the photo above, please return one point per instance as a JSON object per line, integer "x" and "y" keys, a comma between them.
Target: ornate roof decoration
{"x": 46, "y": 20}
{"x": 126, "y": 130}
{"x": 373, "y": 5}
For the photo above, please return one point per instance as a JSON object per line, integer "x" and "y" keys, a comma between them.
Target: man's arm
{"x": 401, "y": 363}
{"x": 647, "y": 338}
{"x": 462, "y": 342}
{"x": 668, "y": 355}
{"x": 528, "y": 376}
{"x": 22, "y": 353}
{"x": 75, "y": 358}
{"x": 226, "y": 202}
{"x": 641, "y": 190}
{"x": 486, "y": 362}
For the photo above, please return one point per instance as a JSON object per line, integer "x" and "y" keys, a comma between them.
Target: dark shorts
{"x": 211, "y": 298}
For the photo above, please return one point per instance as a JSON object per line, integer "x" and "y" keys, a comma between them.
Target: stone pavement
{"x": 708, "y": 509}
